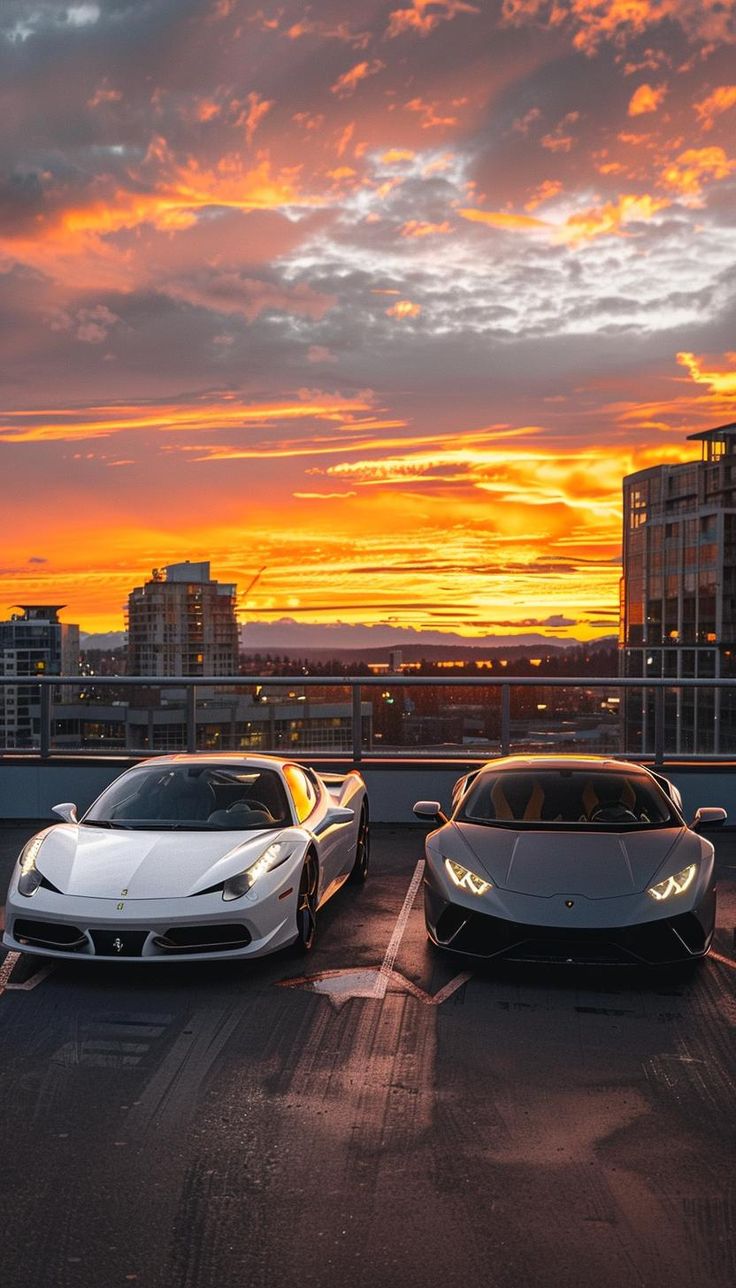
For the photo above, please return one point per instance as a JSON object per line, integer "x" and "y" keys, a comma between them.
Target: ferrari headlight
{"x": 674, "y": 885}
{"x": 466, "y": 879}
{"x": 272, "y": 857}
{"x": 30, "y": 878}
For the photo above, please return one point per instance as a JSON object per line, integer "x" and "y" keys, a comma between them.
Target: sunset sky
{"x": 382, "y": 300}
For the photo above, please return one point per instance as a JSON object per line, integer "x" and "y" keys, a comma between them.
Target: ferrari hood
{"x": 92, "y": 863}
{"x": 598, "y": 865}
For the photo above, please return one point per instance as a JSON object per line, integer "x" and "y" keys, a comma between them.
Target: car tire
{"x": 306, "y": 906}
{"x": 359, "y": 870}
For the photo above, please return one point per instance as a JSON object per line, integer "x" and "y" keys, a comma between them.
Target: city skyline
{"x": 379, "y": 304}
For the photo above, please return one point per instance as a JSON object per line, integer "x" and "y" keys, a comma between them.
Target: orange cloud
{"x": 329, "y": 31}
{"x": 322, "y": 496}
{"x": 502, "y": 219}
{"x": 721, "y": 383}
{"x": 347, "y": 84}
{"x": 404, "y": 309}
{"x": 717, "y": 102}
{"x": 256, "y": 110}
{"x": 598, "y": 221}
{"x": 72, "y": 246}
{"x": 546, "y": 190}
{"x": 694, "y": 167}
{"x": 101, "y": 422}
{"x": 523, "y": 124}
{"x": 396, "y": 155}
{"x": 601, "y": 221}
{"x": 206, "y": 110}
{"x": 559, "y": 140}
{"x": 418, "y": 228}
{"x": 430, "y": 113}
{"x": 594, "y": 21}
{"x": 646, "y": 99}
{"x": 425, "y": 15}
{"x": 104, "y": 95}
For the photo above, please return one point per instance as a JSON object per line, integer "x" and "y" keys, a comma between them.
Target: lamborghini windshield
{"x": 532, "y": 798}
{"x": 193, "y": 797}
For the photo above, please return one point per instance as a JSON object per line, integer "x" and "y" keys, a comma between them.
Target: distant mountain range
{"x": 288, "y": 637}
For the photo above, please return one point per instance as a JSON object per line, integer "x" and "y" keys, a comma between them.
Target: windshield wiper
{"x": 102, "y": 822}
{"x": 157, "y": 825}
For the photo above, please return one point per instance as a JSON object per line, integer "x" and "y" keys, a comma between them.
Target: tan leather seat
{"x": 532, "y": 811}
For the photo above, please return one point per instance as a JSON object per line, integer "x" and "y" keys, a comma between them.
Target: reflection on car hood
{"x": 598, "y": 865}
{"x": 97, "y": 864}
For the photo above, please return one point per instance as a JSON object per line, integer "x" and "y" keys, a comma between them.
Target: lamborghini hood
{"x": 130, "y": 864}
{"x": 597, "y": 865}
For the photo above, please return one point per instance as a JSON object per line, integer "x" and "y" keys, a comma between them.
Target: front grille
{"x": 203, "y": 939}
{"x": 653, "y": 943}
{"x": 49, "y": 934}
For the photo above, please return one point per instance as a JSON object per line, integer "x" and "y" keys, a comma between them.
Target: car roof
{"x": 217, "y": 757}
{"x": 551, "y": 761}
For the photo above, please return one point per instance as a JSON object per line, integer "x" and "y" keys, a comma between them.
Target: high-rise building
{"x": 678, "y": 595}
{"x": 181, "y": 622}
{"x": 32, "y": 643}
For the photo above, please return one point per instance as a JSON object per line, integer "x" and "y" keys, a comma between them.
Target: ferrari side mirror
{"x": 431, "y": 811}
{"x": 67, "y": 811}
{"x": 708, "y": 816}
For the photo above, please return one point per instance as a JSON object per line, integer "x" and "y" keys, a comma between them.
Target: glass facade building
{"x": 32, "y": 643}
{"x": 678, "y": 596}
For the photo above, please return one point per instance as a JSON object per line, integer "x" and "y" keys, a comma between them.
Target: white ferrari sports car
{"x": 191, "y": 856}
{"x": 569, "y": 859}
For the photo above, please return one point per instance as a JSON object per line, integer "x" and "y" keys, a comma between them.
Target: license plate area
{"x": 119, "y": 943}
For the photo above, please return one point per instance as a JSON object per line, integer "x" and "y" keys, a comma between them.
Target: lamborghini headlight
{"x": 674, "y": 885}
{"x": 466, "y": 879}
{"x": 30, "y": 878}
{"x": 272, "y": 857}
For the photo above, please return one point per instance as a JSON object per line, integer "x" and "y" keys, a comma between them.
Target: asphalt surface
{"x": 173, "y": 1127}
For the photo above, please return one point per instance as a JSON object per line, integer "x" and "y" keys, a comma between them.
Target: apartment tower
{"x": 181, "y": 622}
{"x": 678, "y": 595}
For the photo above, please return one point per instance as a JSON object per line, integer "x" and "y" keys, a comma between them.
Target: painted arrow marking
{"x": 376, "y": 981}
{"x": 371, "y": 982}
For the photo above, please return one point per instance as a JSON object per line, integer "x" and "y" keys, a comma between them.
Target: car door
{"x": 312, "y": 803}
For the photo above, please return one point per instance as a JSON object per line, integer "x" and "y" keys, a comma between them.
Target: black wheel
{"x": 359, "y": 870}
{"x": 306, "y": 907}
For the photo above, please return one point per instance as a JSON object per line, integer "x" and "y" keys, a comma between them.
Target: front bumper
{"x": 53, "y": 925}
{"x": 683, "y": 937}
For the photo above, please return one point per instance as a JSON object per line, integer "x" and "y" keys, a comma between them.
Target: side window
{"x": 302, "y": 791}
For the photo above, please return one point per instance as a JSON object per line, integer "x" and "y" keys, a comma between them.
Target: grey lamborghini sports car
{"x": 569, "y": 859}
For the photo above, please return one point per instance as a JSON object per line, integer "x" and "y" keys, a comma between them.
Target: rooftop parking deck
{"x": 245, "y": 1125}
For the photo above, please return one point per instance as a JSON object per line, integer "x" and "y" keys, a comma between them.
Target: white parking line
{"x": 384, "y": 975}
{"x": 34, "y": 980}
{"x": 451, "y": 988}
{"x": 7, "y": 969}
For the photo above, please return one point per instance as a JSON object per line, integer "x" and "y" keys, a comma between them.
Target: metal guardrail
{"x": 356, "y": 684}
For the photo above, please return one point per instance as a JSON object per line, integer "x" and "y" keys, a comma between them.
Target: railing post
{"x": 505, "y": 719}
{"x": 191, "y": 718}
{"x": 659, "y": 693}
{"x": 357, "y": 723}
{"x": 45, "y": 721}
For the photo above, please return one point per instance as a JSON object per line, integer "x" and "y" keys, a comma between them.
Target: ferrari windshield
{"x": 231, "y": 798}
{"x": 533, "y": 797}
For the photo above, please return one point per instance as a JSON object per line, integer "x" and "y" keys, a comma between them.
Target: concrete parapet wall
{"x": 30, "y": 787}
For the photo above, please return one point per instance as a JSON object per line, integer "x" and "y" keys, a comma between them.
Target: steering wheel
{"x": 612, "y": 814}
{"x": 239, "y": 807}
